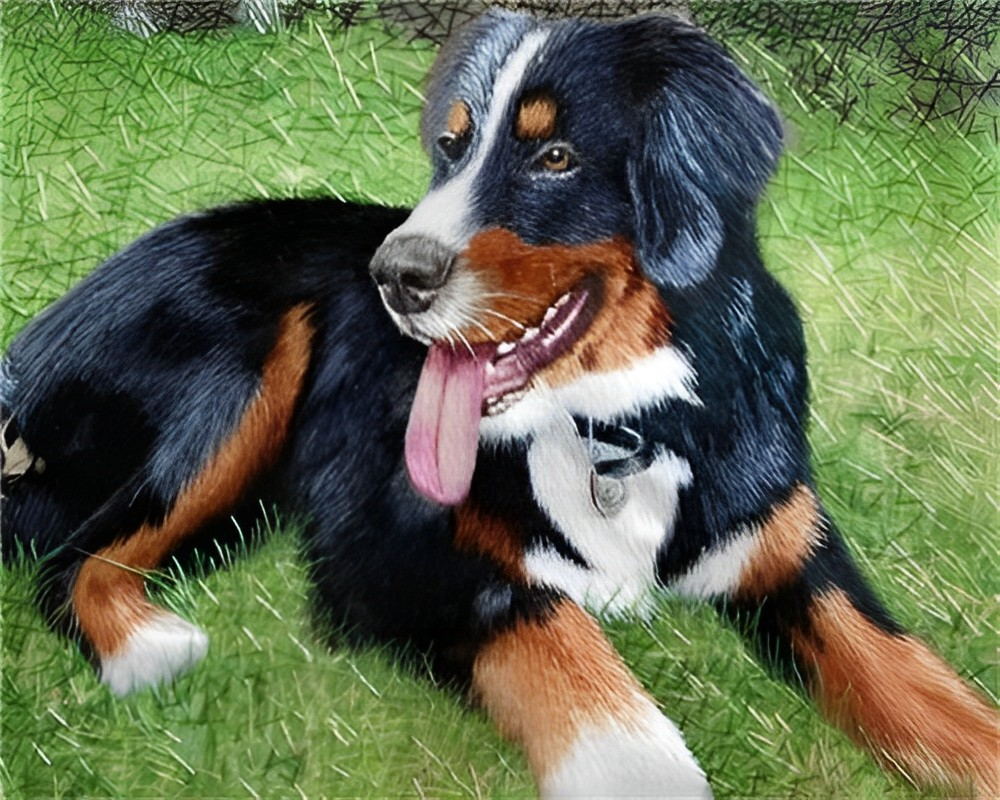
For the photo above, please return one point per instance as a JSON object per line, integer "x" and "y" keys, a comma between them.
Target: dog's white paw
{"x": 158, "y": 651}
{"x": 640, "y": 757}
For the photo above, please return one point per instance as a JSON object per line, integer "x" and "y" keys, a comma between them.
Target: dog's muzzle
{"x": 409, "y": 271}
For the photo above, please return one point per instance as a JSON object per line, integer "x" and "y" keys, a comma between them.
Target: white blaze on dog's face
{"x": 447, "y": 212}
{"x": 568, "y": 198}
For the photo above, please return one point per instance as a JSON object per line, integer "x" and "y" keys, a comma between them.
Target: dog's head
{"x": 581, "y": 172}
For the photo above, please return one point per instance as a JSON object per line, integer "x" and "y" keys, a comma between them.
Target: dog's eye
{"x": 452, "y": 146}
{"x": 557, "y": 159}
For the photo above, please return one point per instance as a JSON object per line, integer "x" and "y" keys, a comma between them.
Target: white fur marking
{"x": 622, "y": 549}
{"x": 662, "y": 375}
{"x": 157, "y": 652}
{"x": 717, "y": 572}
{"x": 641, "y": 757}
{"x": 454, "y": 310}
{"x": 443, "y": 212}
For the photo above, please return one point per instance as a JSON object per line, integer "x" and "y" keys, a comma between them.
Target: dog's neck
{"x": 604, "y": 397}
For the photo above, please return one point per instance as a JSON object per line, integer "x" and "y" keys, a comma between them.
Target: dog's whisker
{"x": 512, "y": 321}
{"x": 459, "y": 314}
{"x": 454, "y": 317}
{"x": 449, "y": 315}
{"x": 489, "y": 334}
{"x": 465, "y": 341}
{"x": 446, "y": 334}
{"x": 469, "y": 318}
{"x": 514, "y": 295}
{"x": 517, "y": 296}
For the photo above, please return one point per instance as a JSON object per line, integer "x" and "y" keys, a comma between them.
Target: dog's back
{"x": 115, "y": 394}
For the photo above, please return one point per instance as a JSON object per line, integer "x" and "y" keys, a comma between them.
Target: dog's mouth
{"x": 459, "y": 386}
{"x": 514, "y": 364}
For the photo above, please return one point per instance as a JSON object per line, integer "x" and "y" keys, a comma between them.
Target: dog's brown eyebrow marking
{"x": 536, "y": 117}
{"x": 459, "y": 119}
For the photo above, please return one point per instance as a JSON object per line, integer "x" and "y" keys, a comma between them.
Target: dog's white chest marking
{"x": 618, "y": 534}
{"x": 619, "y": 542}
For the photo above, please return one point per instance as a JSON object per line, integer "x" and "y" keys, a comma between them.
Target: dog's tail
{"x": 29, "y": 512}
{"x": 44, "y": 516}
{"x": 806, "y": 605}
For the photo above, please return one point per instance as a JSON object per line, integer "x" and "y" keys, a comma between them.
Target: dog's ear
{"x": 706, "y": 144}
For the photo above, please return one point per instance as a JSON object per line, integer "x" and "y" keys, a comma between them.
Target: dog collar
{"x": 616, "y": 452}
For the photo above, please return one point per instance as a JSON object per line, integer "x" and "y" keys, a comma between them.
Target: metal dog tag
{"x": 615, "y": 454}
{"x": 607, "y": 494}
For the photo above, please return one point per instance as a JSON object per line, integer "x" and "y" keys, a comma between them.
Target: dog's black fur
{"x": 95, "y": 385}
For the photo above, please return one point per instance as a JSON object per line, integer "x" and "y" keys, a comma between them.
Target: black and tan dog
{"x": 613, "y": 402}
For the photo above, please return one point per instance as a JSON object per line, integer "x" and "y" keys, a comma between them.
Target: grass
{"x": 884, "y": 231}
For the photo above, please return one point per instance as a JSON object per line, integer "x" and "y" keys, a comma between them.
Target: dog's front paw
{"x": 642, "y": 757}
{"x": 157, "y": 651}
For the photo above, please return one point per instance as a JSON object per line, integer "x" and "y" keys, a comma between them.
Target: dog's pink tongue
{"x": 443, "y": 431}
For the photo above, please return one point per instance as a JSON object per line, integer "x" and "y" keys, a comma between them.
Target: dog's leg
{"x": 798, "y": 594}
{"x": 136, "y": 642}
{"x": 555, "y": 685}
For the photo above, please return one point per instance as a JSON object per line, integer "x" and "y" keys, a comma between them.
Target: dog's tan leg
{"x": 803, "y": 597}
{"x": 136, "y": 642}
{"x": 889, "y": 692}
{"x": 555, "y": 685}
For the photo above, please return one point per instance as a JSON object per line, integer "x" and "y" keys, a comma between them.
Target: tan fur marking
{"x": 783, "y": 544}
{"x": 896, "y": 697}
{"x": 542, "y": 681}
{"x": 459, "y": 119}
{"x": 109, "y": 595}
{"x": 524, "y": 280}
{"x": 489, "y": 536}
{"x": 536, "y": 118}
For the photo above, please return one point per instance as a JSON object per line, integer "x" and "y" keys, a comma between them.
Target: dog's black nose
{"x": 409, "y": 271}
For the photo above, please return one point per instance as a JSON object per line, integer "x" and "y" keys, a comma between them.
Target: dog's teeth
{"x": 505, "y": 347}
{"x": 529, "y": 333}
{"x": 498, "y": 405}
{"x": 549, "y": 314}
{"x": 490, "y": 369}
{"x": 561, "y": 300}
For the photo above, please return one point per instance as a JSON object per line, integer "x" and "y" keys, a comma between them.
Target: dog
{"x": 593, "y": 391}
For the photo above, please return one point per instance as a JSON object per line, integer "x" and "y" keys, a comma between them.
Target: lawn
{"x": 884, "y": 230}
